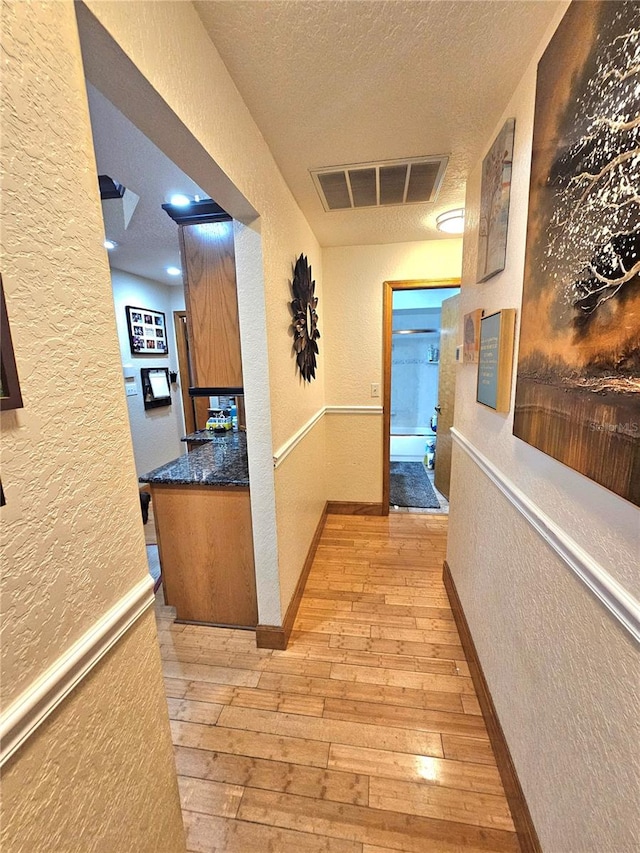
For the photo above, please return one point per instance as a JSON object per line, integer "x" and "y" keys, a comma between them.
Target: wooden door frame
{"x": 389, "y": 287}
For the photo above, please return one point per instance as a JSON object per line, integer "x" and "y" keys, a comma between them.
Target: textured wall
{"x": 197, "y": 88}
{"x": 72, "y": 542}
{"x": 155, "y": 433}
{"x": 560, "y": 668}
{"x": 354, "y": 457}
{"x": 563, "y": 673}
{"x": 99, "y": 776}
{"x": 353, "y": 280}
{"x": 300, "y": 490}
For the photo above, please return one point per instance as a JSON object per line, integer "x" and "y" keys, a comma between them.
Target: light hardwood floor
{"x": 365, "y": 736}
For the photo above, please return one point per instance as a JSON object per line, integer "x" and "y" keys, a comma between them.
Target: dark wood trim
{"x": 387, "y": 326}
{"x": 182, "y": 348}
{"x": 277, "y": 636}
{"x": 352, "y": 508}
{"x": 525, "y": 829}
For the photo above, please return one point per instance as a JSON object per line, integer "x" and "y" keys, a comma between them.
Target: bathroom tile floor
{"x": 365, "y": 736}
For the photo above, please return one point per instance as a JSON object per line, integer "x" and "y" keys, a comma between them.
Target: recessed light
{"x": 451, "y": 221}
{"x": 180, "y": 200}
{"x": 174, "y": 270}
{"x": 109, "y": 244}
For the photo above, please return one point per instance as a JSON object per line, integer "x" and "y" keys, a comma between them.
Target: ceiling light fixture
{"x": 109, "y": 244}
{"x": 451, "y": 221}
{"x": 174, "y": 270}
{"x": 180, "y": 200}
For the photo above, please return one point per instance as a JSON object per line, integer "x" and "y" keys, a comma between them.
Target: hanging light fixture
{"x": 451, "y": 221}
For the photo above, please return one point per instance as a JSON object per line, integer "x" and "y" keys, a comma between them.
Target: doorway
{"x": 419, "y": 339}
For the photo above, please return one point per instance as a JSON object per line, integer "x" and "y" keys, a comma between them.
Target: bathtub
{"x": 409, "y": 448}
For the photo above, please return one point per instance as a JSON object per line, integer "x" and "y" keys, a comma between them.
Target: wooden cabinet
{"x": 206, "y": 552}
{"x": 209, "y": 273}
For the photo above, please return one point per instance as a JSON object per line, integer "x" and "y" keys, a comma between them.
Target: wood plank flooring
{"x": 365, "y": 736}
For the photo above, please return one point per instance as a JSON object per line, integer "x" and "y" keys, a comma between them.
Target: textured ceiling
{"x": 353, "y": 81}
{"x": 150, "y": 244}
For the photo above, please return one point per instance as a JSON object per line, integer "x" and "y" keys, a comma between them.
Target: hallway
{"x": 365, "y": 736}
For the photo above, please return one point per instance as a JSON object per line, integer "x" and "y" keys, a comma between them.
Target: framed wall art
{"x": 10, "y": 394}
{"x": 578, "y": 378}
{"x": 471, "y": 329}
{"x": 147, "y": 331}
{"x": 495, "y": 362}
{"x": 494, "y": 203}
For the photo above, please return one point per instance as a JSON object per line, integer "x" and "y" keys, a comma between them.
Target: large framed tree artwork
{"x": 578, "y": 381}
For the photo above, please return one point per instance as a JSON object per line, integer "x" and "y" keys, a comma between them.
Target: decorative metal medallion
{"x": 305, "y": 319}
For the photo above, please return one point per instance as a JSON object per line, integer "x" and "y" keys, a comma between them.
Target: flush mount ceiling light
{"x": 451, "y": 221}
{"x": 174, "y": 270}
{"x": 109, "y": 244}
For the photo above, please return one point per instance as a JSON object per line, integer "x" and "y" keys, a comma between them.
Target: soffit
{"x": 331, "y": 83}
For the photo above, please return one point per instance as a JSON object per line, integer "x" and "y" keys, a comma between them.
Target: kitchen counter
{"x": 202, "y": 510}
{"x": 216, "y": 460}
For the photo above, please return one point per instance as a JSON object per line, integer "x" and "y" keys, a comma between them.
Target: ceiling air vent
{"x": 414, "y": 181}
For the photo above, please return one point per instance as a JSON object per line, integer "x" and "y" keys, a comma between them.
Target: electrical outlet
{"x": 375, "y": 389}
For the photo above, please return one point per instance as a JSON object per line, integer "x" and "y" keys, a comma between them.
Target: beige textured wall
{"x": 354, "y": 457}
{"x": 72, "y": 543}
{"x": 299, "y": 503}
{"x": 99, "y": 776}
{"x": 353, "y": 289}
{"x": 562, "y": 671}
{"x": 196, "y": 86}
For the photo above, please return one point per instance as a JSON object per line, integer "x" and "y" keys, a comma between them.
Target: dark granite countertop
{"x": 221, "y": 460}
{"x": 205, "y": 435}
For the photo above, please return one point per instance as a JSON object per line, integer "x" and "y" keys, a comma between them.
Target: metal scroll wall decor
{"x": 305, "y": 319}
{"x": 578, "y": 388}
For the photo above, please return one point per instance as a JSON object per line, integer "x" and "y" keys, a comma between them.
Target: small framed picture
{"x": 146, "y": 331}
{"x": 471, "y": 337}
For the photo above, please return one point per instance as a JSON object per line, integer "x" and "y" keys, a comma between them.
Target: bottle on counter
{"x": 234, "y": 415}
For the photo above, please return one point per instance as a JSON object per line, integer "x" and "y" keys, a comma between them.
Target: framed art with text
{"x": 578, "y": 377}
{"x": 147, "y": 331}
{"x": 495, "y": 362}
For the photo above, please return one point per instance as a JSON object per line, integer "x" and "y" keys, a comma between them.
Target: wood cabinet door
{"x": 209, "y": 271}
{"x": 206, "y": 552}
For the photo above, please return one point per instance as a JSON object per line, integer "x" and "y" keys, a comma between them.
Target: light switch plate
{"x": 375, "y": 389}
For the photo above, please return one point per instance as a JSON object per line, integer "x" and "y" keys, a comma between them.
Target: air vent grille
{"x": 414, "y": 181}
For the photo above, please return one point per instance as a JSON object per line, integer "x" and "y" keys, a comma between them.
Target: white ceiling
{"x": 350, "y": 81}
{"x": 150, "y": 244}
{"x": 332, "y": 83}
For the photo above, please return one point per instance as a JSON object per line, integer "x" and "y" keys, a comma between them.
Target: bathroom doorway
{"x": 418, "y": 354}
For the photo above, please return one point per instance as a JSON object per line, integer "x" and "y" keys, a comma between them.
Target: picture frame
{"x": 156, "y": 388}
{"x": 147, "y": 331}
{"x": 577, "y": 397}
{"x": 471, "y": 336}
{"x": 10, "y": 394}
{"x": 495, "y": 195}
{"x": 495, "y": 360}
